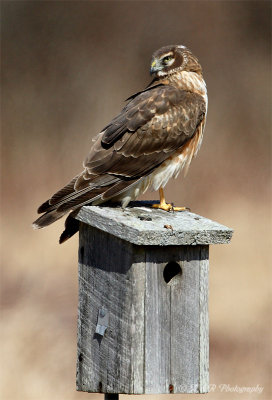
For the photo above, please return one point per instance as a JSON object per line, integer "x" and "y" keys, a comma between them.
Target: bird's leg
{"x": 166, "y": 206}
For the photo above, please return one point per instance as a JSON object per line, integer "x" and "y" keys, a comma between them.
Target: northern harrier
{"x": 155, "y": 136}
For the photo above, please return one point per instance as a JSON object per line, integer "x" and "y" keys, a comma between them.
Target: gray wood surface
{"x": 175, "y": 355}
{"x": 204, "y": 320}
{"x": 157, "y": 338}
{"x": 142, "y": 225}
{"x": 111, "y": 275}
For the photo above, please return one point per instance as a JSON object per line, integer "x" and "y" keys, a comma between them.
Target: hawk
{"x": 154, "y": 137}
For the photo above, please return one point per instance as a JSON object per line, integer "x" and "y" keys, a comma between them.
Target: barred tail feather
{"x": 72, "y": 200}
{"x": 47, "y": 219}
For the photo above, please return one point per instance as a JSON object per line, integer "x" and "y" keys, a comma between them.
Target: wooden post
{"x": 143, "y": 300}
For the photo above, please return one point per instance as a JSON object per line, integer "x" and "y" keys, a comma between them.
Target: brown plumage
{"x": 155, "y": 135}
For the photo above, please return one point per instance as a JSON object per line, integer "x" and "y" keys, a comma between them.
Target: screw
{"x": 102, "y": 313}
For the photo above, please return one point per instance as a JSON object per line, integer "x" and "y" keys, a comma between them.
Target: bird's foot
{"x": 169, "y": 207}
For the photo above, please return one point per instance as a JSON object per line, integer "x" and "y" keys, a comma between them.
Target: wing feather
{"x": 136, "y": 154}
{"x": 149, "y": 129}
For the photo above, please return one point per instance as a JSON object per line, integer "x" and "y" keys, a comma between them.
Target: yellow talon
{"x": 166, "y": 206}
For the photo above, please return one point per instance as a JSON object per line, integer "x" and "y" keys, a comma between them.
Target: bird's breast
{"x": 181, "y": 159}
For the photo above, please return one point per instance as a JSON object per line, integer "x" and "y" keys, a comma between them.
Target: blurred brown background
{"x": 66, "y": 69}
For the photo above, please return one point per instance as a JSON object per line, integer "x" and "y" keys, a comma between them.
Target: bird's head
{"x": 170, "y": 59}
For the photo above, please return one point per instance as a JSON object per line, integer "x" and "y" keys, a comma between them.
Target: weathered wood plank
{"x": 176, "y": 357}
{"x": 110, "y": 277}
{"x": 143, "y": 225}
{"x": 137, "y": 322}
{"x": 204, "y": 319}
{"x": 185, "y": 323}
{"x": 157, "y": 324}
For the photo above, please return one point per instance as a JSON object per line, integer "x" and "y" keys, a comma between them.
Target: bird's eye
{"x": 167, "y": 59}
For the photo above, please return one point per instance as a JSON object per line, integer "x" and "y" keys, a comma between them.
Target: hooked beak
{"x": 155, "y": 66}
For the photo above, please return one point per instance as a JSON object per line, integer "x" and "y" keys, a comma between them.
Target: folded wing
{"x": 149, "y": 129}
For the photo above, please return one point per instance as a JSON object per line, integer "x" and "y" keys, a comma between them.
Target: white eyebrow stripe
{"x": 167, "y": 54}
{"x": 181, "y": 47}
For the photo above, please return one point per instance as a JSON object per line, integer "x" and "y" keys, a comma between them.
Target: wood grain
{"x": 142, "y": 225}
{"x": 110, "y": 277}
{"x": 156, "y": 297}
{"x": 154, "y": 340}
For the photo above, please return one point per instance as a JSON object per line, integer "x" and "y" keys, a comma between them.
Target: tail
{"x": 71, "y": 227}
{"x": 47, "y": 219}
{"x": 100, "y": 188}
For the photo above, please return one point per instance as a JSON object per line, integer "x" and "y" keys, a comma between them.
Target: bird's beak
{"x": 155, "y": 66}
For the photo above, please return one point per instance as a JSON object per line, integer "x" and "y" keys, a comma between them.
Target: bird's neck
{"x": 187, "y": 80}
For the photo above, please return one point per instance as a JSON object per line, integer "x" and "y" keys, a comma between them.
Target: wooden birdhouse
{"x": 143, "y": 323}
